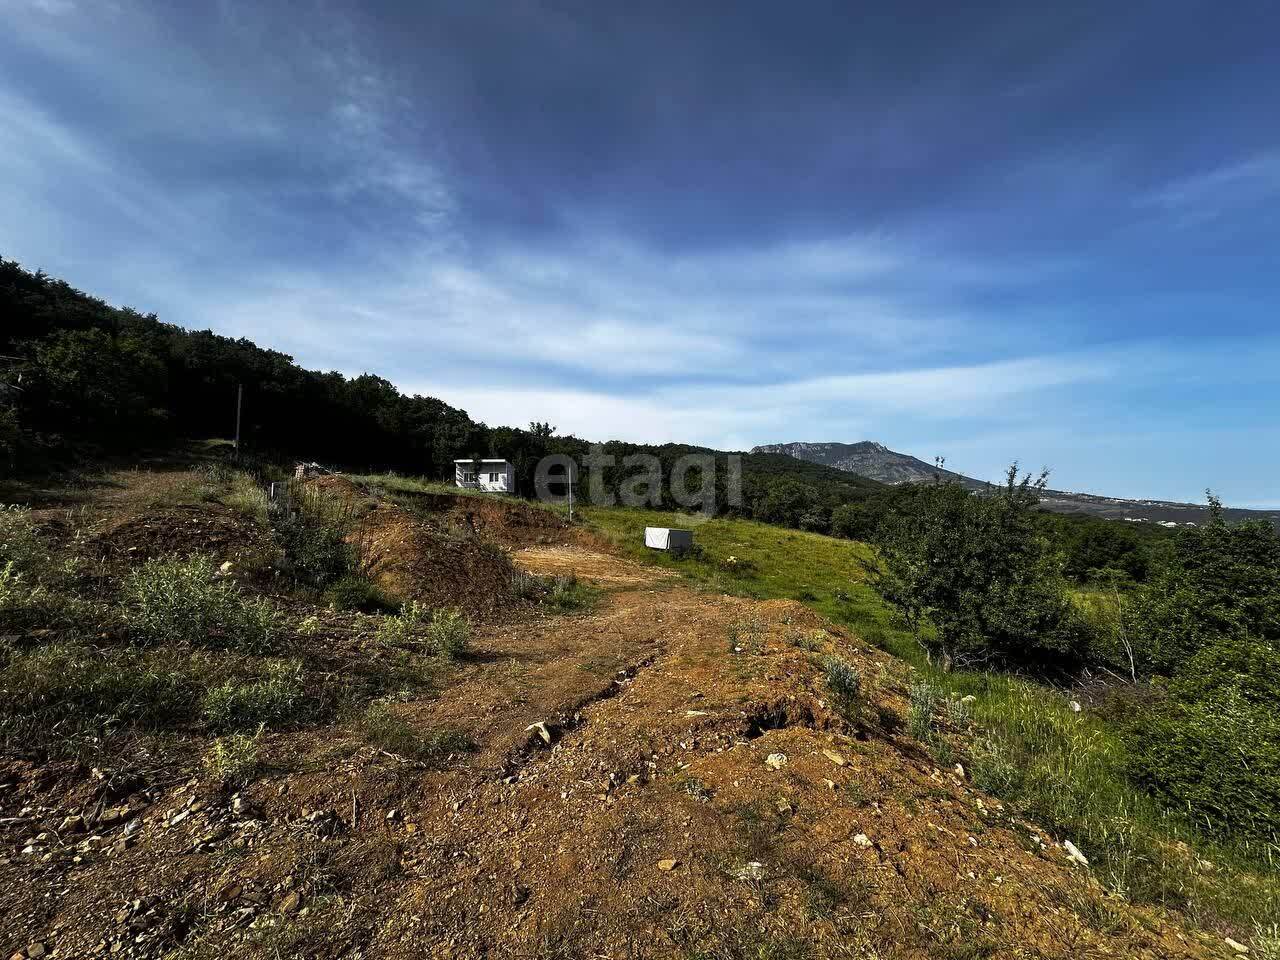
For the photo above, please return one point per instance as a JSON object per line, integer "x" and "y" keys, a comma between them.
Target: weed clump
{"x": 562, "y": 592}
{"x": 189, "y": 601}
{"x": 381, "y": 728}
{"x": 234, "y": 759}
{"x": 275, "y": 699}
{"x": 924, "y": 702}
{"x": 20, "y": 543}
{"x": 62, "y": 697}
{"x": 358, "y": 594}
{"x": 844, "y": 683}
{"x": 444, "y": 633}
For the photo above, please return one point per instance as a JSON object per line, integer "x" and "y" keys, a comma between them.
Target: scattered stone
{"x": 785, "y": 808}
{"x": 1075, "y": 706}
{"x": 960, "y": 770}
{"x": 834, "y": 757}
{"x": 393, "y": 816}
{"x": 291, "y": 902}
{"x": 1074, "y": 854}
{"x": 862, "y": 840}
{"x": 1237, "y": 946}
{"x": 72, "y": 824}
{"x": 776, "y": 761}
{"x": 36, "y": 950}
{"x": 969, "y": 698}
{"x": 541, "y": 729}
{"x": 668, "y": 865}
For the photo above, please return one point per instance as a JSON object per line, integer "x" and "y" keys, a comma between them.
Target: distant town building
{"x": 492, "y": 475}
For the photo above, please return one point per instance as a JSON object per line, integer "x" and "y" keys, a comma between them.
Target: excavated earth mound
{"x": 412, "y": 558}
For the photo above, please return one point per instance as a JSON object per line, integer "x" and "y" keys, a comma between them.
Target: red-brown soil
{"x": 654, "y": 823}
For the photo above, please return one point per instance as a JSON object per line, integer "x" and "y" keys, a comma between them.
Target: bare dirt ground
{"x": 660, "y": 776}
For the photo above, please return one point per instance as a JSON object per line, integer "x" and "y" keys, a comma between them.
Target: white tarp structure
{"x": 668, "y": 538}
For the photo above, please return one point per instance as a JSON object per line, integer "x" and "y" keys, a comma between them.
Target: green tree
{"x": 1219, "y": 580}
{"x": 976, "y": 567}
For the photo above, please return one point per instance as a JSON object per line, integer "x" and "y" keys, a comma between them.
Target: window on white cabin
{"x": 493, "y": 478}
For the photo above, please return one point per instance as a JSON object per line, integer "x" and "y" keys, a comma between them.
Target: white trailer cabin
{"x": 493, "y": 476}
{"x": 668, "y": 538}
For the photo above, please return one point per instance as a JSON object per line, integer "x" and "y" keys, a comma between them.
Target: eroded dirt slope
{"x": 661, "y": 776}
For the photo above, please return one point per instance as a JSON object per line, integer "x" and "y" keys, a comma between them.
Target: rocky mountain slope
{"x": 875, "y": 461}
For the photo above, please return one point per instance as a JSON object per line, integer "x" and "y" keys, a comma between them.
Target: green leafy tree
{"x": 1219, "y": 580}
{"x": 976, "y": 567}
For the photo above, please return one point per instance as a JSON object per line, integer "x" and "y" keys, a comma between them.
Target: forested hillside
{"x": 95, "y": 378}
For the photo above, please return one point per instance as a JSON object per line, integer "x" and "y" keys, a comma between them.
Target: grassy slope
{"x": 1063, "y": 769}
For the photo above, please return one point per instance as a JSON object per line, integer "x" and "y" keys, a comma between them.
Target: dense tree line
{"x": 93, "y": 378}
{"x": 984, "y": 581}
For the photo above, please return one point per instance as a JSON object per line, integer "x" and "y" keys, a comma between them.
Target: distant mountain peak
{"x": 867, "y": 458}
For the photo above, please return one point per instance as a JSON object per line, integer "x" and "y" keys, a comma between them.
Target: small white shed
{"x": 668, "y": 538}
{"x": 493, "y": 475}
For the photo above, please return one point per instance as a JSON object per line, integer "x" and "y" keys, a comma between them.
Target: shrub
{"x": 844, "y": 683}
{"x": 924, "y": 701}
{"x": 448, "y": 633}
{"x": 357, "y": 593}
{"x": 275, "y": 699}
{"x": 315, "y": 553}
{"x": 445, "y": 633}
{"x": 384, "y": 730}
{"x": 188, "y": 601}
{"x": 1211, "y": 745}
{"x": 1218, "y": 580}
{"x": 233, "y": 759}
{"x": 562, "y": 592}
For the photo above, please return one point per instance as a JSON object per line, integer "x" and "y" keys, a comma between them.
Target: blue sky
{"x": 990, "y": 231}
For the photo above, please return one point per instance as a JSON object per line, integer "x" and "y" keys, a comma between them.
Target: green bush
{"x": 315, "y": 554}
{"x": 188, "y": 601}
{"x": 1217, "y": 580}
{"x": 844, "y": 683}
{"x": 1211, "y": 744}
{"x": 357, "y": 593}
{"x": 924, "y": 701}
{"x": 444, "y": 633}
{"x": 276, "y": 699}
{"x": 448, "y": 633}
{"x": 233, "y": 759}
{"x": 977, "y": 568}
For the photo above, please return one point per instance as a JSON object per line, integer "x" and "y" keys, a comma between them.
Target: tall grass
{"x": 189, "y": 601}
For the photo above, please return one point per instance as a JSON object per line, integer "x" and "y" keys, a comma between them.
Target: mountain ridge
{"x": 875, "y": 461}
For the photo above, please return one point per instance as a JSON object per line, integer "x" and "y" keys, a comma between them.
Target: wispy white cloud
{"x": 1231, "y": 188}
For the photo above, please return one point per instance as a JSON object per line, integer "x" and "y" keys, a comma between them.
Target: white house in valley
{"x": 493, "y": 475}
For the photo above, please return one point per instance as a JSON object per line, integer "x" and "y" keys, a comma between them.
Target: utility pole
{"x": 569, "y": 473}
{"x": 239, "y": 401}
